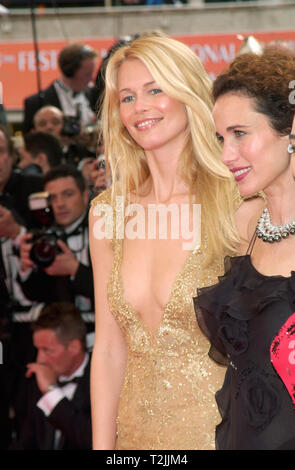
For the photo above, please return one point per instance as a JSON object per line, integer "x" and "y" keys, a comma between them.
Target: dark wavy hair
{"x": 265, "y": 78}
{"x": 64, "y": 171}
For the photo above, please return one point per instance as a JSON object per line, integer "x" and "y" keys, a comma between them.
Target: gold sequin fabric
{"x": 168, "y": 396}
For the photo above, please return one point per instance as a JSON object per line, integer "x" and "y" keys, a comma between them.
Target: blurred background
{"x": 215, "y": 31}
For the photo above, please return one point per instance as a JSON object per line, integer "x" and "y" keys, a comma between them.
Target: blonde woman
{"x": 152, "y": 383}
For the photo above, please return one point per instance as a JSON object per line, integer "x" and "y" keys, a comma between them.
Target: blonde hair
{"x": 181, "y": 75}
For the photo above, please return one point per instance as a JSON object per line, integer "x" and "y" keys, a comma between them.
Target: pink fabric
{"x": 282, "y": 355}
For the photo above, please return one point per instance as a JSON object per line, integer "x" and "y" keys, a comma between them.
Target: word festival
{"x": 165, "y": 221}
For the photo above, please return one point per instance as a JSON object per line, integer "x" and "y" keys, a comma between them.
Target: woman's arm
{"x": 109, "y": 353}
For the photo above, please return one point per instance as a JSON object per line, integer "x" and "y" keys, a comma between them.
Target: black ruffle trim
{"x": 223, "y": 310}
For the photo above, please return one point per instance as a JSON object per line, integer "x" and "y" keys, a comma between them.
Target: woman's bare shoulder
{"x": 247, "y": 216}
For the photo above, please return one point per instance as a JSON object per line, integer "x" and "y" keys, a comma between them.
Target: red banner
{"x": 18, "y": 77}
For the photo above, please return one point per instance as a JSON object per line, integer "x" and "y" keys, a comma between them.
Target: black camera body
{"x": 44, "y": 242}
{"x": 45, "y": 247}
{"x": 72, "y": 124}
{"x": 71, "y": 127}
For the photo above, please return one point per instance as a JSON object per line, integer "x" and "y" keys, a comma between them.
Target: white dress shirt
{"x": 50, "y": 399}
{"x": 70, "y": 101}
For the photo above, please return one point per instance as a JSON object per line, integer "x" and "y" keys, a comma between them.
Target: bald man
{"x": 49, "y": 119}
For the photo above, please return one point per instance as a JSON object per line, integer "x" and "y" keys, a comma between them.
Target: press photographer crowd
{"x": 48, "y": 175}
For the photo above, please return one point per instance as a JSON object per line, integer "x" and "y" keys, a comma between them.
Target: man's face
{"x": 51, "y": 352}
{"x": 6, "y": 162}
{"x": 83, "y": 75}
{"x": 67, "y": 201}
{"x": 49, "y": 120}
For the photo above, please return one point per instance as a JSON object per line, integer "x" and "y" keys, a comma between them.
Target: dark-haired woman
{"x": 249, "y": 315}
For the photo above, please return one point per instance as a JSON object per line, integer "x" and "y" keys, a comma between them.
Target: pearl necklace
{"x": 268, "y": 232}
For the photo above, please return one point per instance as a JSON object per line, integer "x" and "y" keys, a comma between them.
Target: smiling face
{"x": 253, "y": 151}
{"x": 153, "y": 119}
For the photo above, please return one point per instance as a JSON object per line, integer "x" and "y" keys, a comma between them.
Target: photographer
{"x": 15, "y": 217}
{"x": 69, "y": 276}
{"x": 77, "y": 63}
{"x": 14, "y": 190}
{"x": 73, "y": 137}
{"x": 41, "y": 152}
{"x": 49, "y": 119}
{"x": 98, "y": 176}
{"x": 58, "y": 401}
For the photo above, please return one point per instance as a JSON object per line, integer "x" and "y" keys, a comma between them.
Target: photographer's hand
{"x": 86, "y": 169}
{"x": 98, "y": 177}
{"x": 65, "y": 263}
{"x": 44, "y": 375}
{"x": 101, "y": 181}
{"x": 8, "y": 226}
{"x": 24, "y": 249}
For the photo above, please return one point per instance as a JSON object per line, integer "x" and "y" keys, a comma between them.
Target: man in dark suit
{"x": 15, "y": 218}
{"x": 58, "y": 413}
{"x": 71, "y": 92}
{"x": 5, "y": 390}
{"x": 42, "y": 151}
{"x": 14, "y": 190}
{"x": 69, "y": 275}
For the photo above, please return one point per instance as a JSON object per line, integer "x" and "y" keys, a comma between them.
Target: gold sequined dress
{"x": 167, "y": 400}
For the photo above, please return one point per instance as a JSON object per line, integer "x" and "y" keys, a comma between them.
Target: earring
{"x": 291, "y": 149}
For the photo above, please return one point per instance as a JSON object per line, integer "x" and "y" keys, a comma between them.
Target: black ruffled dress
{"x": 242, "y": 316}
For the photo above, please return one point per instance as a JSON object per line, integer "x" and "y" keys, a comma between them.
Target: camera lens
{"x": 101, "y": 165}
{"x": 44, "y": 250}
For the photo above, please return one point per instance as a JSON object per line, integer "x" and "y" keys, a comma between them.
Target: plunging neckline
{"x": 153, "y": 333}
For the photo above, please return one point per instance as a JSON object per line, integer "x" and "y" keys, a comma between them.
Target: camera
{"x": 72, "y": 124}
{"x": 45, "y": 247}
{"x": 101, "y": 163}
{"x": 71, "y": 127}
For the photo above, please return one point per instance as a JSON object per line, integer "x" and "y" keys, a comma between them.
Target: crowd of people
{"x": 49, "y": 175}
{"x": 125, "y": 342}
